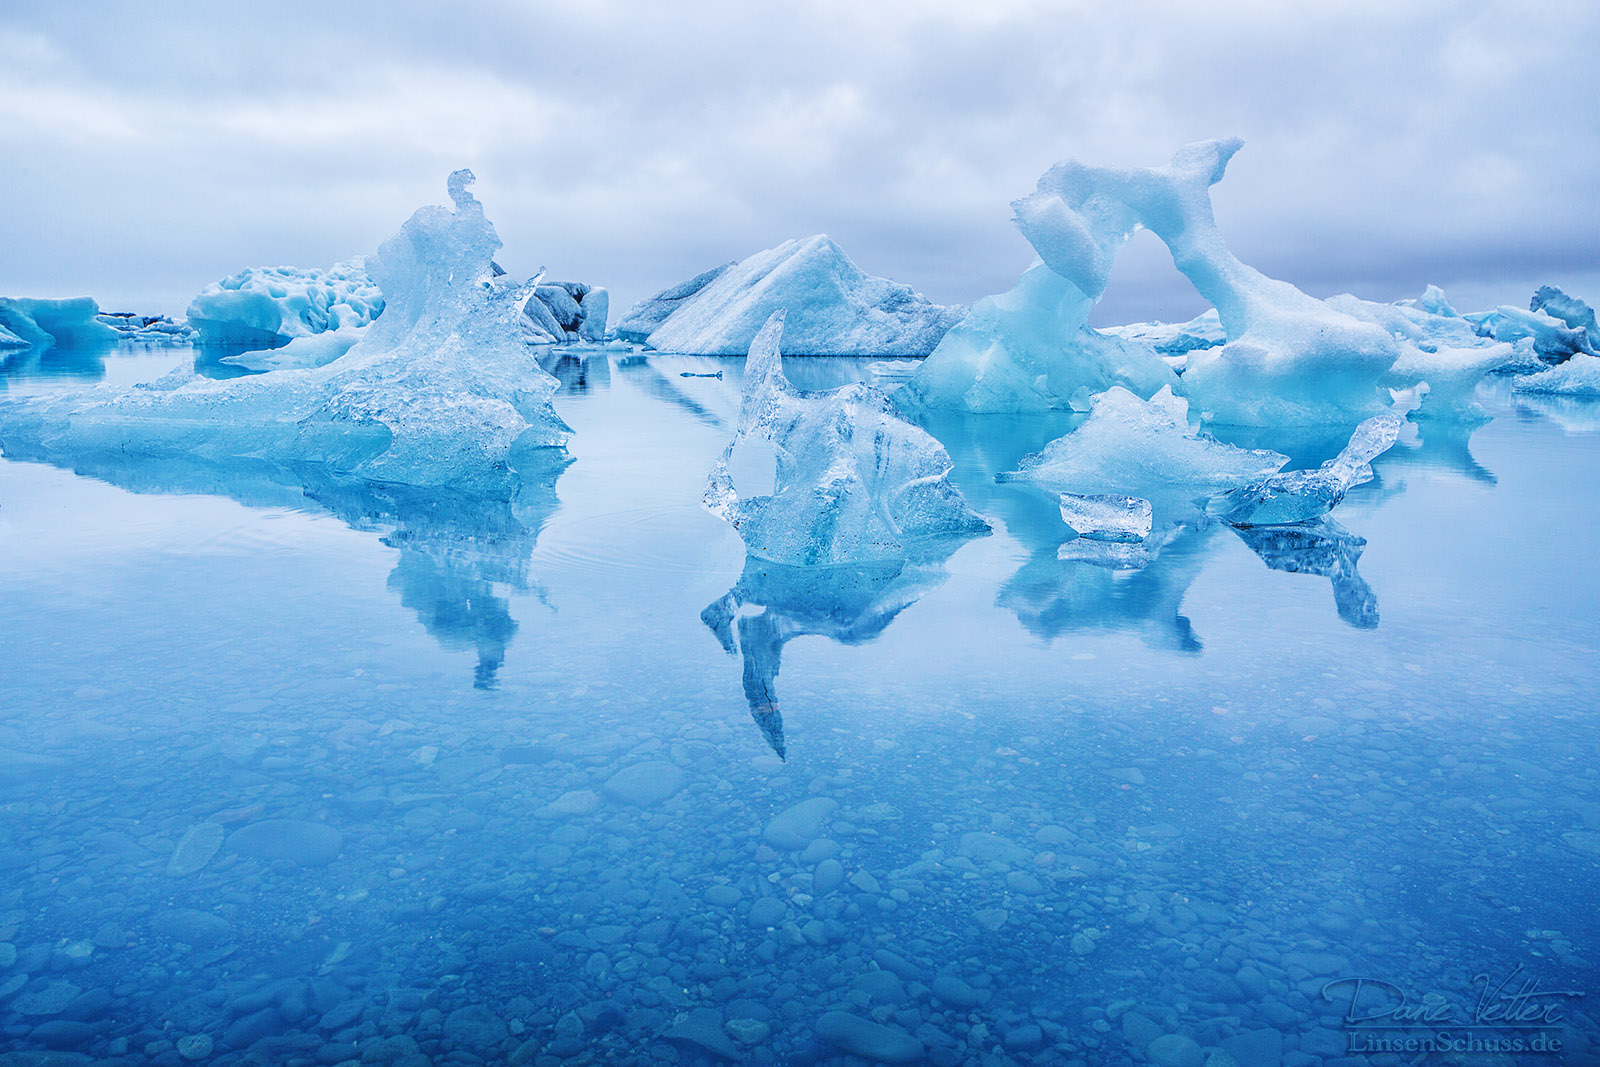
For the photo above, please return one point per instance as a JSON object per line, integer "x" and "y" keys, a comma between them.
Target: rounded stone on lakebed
{"x": 310, "y": 844}
{"x": 869, "y": 1040}
{"x": 796, "y": 827}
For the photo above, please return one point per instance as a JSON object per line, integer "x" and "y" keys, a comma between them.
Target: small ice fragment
{"x": 1107, "y": 517}
{"x": 1302, "y": 495}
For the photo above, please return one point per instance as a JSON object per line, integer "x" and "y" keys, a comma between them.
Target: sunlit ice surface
{"x": 290, "y": 766}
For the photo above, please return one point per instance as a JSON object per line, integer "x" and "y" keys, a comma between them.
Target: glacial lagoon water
{"x": 307, "y": 772}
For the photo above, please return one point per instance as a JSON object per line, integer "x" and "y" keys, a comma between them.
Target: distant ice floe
{"x": 442, "y": 389}
{"x": 852, "y": 480}
{"x": 27, "y": 322}
{"x": 834, "y": 309}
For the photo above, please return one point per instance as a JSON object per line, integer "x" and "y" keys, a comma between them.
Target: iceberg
{"x": 147, "y": 329}
{"x": 643, "y": 318}
{"x": 267, "y": 307}
{"x": 1577, "y": 377}
{"x": 1175, "y": 340}
{"x": 1552, "y": 337}
{"x": 1552, "y": 301}
{"x": 834, "y": 309}
{"x": 37, "y": 323}
{"x": 1298, "y": 496}
{"x": 441, "y": 390}
{"x": 1289, "y": 358}
{"x": 1450, "y": 377}
{"x": 577, "y": 311}
{"x": 1030, "y": 349}
{"x": 1128, "y": 446}
{"x": 853, "y": 481}
{"x": 1107, "y": 517}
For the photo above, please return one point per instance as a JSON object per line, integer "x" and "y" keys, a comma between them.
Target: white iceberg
{"x": 1448, "y": 377}
{"x": 1289, "y": 359}
{"x": 833, "y": 308}
{"x": 441, "y": 390}
{"x": 853, "y": 481}
{"x": 1145, "y": 448}
{"x": 147, "y": 329}
{"x": 1298, "y": 496}
{"x": 1030, "y": 349}
{"x": 39, "y": 323}
{"x": 266, "y": 307}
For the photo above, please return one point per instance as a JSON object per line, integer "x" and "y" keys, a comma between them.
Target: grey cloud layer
{"x": 1387, "y": 145}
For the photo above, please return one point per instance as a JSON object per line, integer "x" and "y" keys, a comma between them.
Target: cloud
{"x": 632, "y": 145}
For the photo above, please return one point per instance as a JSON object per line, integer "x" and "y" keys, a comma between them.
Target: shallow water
{"x": 302, "y": 772}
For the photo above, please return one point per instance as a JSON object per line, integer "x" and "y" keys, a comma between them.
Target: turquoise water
{"x": 299, "y": 771}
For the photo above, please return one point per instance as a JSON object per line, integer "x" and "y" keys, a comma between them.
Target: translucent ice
{"x": 1107, "y": 517}
{"x": 1030, "y": 349}
{"x": 1298, "y": 496}
{"x": 36, "y": 323}
{"x": 853, "y": 481}
{"x": 833, "y": 308}
{"x": 1128, "y": 445}
{"x": 1578, "y": 377}
{"x": 441, "y": 390}
{"x": 1289, "y": 359}
{"x": 264, "y": 307}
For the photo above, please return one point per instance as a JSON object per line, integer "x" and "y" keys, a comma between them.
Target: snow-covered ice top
{"x": 834, "y": 308}
{"x": 441, "y": 389}
{"x": 853, "y": 480}
{"x": 1297, "y": 496}
{"x": 1143, "y": 448}
{"x": 269, "y": 306}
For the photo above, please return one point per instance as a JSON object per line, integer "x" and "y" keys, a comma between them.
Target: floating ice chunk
{"x": 1575, "y": 313}
{"x": 147, "y": 329}
{"x": 72, "y": 323}
{"x": 1030, "y": 349}
{"x": 265, "y": 307}
{"x": 1145, "y": 446}
{"x": 833, "y": 308}
{"x": 441, "y": 390}
{"x": 1552, "y": 338}
{"x": 596, "y": 309}
{"x": 1451, "y": 376}
{"x": 1433, "y": 301}
{"x": 1301, "y": 495}
{"x": 853, "y": 481}
{"x": 1578, "y": 376}
{"x": 1289, "y": 359}
{"x": 318, "y": 350}
{"x": 1107, "y": 517}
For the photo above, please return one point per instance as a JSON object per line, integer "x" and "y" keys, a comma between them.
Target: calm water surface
{"x": 297, "y": 771}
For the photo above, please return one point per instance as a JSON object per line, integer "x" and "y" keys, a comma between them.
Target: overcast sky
{"x": 152, "y": 149}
